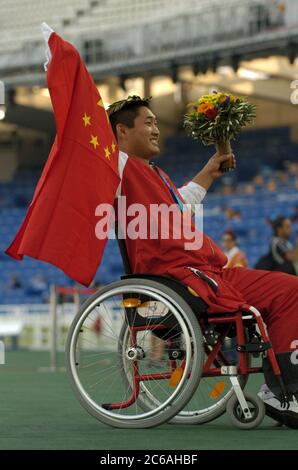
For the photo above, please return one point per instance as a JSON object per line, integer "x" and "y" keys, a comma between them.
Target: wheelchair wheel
{"x": 236, "y": 415}
{"x": 209, "y": 400}
{"x": 96, "y": 353}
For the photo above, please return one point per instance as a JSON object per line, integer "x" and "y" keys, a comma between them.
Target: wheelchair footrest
{"x": 254, "y": 347}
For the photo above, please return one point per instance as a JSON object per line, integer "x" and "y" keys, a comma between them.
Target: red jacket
{"x": 143, "y": 185}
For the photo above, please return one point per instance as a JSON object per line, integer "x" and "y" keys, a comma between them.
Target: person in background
{"x": 14, "y": 282}
{"x": 259, "y": 181}
{"x": 232, "y": 214}
{"x": 236, "y": 257}
{"x": 249, "y": 188}
{"x": 271, "y": 186}
{"x": 37, "y": 285}
{"x": 283, "y": 253}
{"x": 227, "y": 189}
{"x": 294, "y": 217}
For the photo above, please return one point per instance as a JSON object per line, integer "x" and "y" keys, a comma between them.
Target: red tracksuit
{"x": 274, "y": 294}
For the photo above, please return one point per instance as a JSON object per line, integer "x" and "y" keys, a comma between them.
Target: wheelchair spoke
{"x": 123, "y": 369}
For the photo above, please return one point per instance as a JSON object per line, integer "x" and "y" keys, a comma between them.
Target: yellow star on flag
{"x": 113, "y": 147}
{"x": 86, "y": 120}
{"x": 94, "y": 141}
{"x": 107, "y": 152}
{"x": 101, "y": 104}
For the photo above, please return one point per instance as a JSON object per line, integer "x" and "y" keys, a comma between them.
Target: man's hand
{"x": 211, "y": 171}
{"x": 213, "y": 165}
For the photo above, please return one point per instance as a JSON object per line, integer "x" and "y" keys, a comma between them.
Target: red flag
{"x": 81, "y": 172}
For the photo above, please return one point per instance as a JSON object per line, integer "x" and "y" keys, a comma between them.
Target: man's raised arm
{"x": 195, "y": 191}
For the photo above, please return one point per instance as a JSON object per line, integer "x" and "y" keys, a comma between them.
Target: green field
{"x": 39, "y": 411}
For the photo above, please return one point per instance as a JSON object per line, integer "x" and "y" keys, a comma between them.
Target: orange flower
{"x": 204, "y": 107}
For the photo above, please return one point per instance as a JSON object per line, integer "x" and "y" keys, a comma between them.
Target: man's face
{"x": 286, "y": 230}
{"x": 142, "y": 140}
{"x": 227, "y": 242}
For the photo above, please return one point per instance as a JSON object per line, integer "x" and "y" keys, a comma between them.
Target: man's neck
{"x": 144, "y": 160}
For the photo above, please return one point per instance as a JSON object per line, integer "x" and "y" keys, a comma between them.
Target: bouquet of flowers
{"x": 216, "y": 119}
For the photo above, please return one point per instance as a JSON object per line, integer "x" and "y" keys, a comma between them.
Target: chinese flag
{"x": 81, "y": 172}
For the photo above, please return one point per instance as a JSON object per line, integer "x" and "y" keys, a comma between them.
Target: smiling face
{"x": 142, "y": 139}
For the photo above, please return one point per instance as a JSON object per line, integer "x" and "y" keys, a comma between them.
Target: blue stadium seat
{"x": 257, "y": 151}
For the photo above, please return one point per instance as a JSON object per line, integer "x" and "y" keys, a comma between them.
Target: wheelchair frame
{"x": 208, "y": 339}
{"x": 237, "y": 319}
{"x": 240, "y": 320}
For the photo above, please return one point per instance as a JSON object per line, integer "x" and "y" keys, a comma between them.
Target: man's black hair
{"x": 278, "y": 223}
{"x": 125, "y": 111}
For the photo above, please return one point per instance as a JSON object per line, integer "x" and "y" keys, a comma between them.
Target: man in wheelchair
{"x": 274, "y": 294}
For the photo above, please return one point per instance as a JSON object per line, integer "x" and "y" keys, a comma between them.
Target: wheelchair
{"x": 206, "y": 359}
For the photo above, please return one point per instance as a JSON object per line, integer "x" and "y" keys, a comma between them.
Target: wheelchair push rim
{"x": 95, "y": 369}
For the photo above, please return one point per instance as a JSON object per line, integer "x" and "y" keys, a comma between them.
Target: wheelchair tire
{"x": 194, "y": 355}
{"x": 256, "y": 406}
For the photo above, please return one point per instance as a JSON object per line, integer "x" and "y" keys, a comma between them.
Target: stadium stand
{"x": 112, "y": 30}
{"x": 20, "y": 24}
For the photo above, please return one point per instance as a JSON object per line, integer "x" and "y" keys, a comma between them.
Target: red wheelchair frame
{"x": 238, "y": 321}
